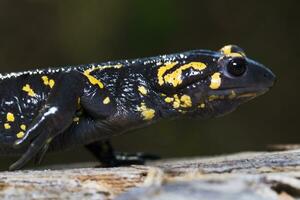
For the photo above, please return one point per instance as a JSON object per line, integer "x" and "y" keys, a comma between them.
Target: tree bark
{"x": 246, "y": 176}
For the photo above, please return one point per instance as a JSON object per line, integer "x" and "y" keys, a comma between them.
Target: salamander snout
{"x": 270, "y": 77}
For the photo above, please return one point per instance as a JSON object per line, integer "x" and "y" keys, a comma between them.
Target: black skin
{"x": 88, "y": 104}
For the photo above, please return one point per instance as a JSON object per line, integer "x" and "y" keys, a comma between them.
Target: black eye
{"x": 237, "y": 66}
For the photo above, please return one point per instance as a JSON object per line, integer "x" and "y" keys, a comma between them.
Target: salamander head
{"x": 208, "y": 84}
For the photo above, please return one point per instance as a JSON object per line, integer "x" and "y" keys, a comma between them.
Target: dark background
{"x": 43, "y": 33}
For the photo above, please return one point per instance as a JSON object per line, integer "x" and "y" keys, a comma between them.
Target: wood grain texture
{"x": 246, "y": 176}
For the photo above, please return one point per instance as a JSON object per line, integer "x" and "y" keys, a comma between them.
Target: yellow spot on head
{"x": 29, "y": 91}
{"x": 233, "y": 55}
{"x": 106, "y": 100}
{"x": 226, "y": 49}
{"x": 147, "y": 113}
{"x": 186, "y": 101}
{"x": 92, "y": 79}
{"x": 20, "y": 134}
{"x": 174, "y": 78}
{"x": 142, "y": 90}
{"x": 215, "y": 81}
{"x": 7, "y": 126}
{"x": 10, "y": 117}
{"x": 229, "y": 50}
{"x": 23, "y": 127}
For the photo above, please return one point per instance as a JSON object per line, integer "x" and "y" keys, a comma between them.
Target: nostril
{"x": 265, "y": 75}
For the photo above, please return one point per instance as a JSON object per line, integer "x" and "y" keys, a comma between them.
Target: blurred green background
{"x": 42, "y": 33}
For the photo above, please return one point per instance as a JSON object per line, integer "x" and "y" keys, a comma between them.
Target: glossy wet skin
{"x": 225, "y": 80}
{"x": 57, "y": 108}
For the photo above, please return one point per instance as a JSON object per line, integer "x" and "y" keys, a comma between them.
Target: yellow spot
{"x": 202, "y": 105}
{"x": 29, "y": 91}
{"x": 233, "y": 55}
{"x": 215, "y": 81}
{"x": 186, "y": 101}
{"x": 92, "y": 79}
{"x": 163, "y": 95}
{"x": 23, "y": 127}
{"x": 226, "y": 49}
{"x": 7, "y": 126}
{"x": 45, "y": 80}
{"x": 142, "y": 90}
{"x": 76, "y": 119}
{"x": 106, "y": 100}
{"x": 174, "y": 78}
{"x": 20, "y": 134}
{"x": 10, "y": 117}
{"x": 176, "y": 103}
{"x": 169, "y": 99}
{"x": 232, "y": 95}
{"x": 147, "y": 113}
{"x": 51, "y": 83}
{"x": 48, "y": 82}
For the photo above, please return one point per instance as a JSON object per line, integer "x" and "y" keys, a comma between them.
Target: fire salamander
{"x": 57, "y": 108}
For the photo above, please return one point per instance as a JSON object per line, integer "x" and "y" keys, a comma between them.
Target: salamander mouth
{"x": 246, "y": 93}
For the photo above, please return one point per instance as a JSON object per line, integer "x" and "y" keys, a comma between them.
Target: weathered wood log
{"x": 249, "y": 176}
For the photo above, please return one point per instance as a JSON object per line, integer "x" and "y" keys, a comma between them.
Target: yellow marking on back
{"x": 95, "y": 81}
{"x": 175, "y": 78}
{"x": 142, "y": 90}
{"x": 23, "y": 127}
{"x": 48, "y": 82}
{"x": 20, "y": 135}
{"x": 92, "y": 79}
{"x": 29, "y": 90}
{"x": 106, "y": 100}
{"x": 7, "y": 126}
{"x": 162, "y": 70}
{"x": 215, "y": 81}
{"x": 51, "y": 83}
{"x": 10, "y": 117}
{"x": 147, "y": 113}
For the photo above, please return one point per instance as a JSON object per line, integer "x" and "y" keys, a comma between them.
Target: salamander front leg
{"x": 54, "y": 118}
{"x": 104, "y": 152}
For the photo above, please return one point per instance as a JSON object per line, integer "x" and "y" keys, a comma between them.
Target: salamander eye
{"x": 237, "y": 66}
